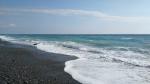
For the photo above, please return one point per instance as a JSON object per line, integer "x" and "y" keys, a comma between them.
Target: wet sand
{"x": 22, "y": 64}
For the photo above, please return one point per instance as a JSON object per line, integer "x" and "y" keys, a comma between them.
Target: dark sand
{"x": 22, "y": 64}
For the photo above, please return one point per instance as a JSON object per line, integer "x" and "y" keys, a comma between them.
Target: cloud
{"x": 7, "y": 25}
{"x": 12, "y": 25}
{"x": 65, "y": 12}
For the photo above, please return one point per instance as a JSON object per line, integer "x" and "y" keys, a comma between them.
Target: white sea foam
{"x": 93, "y": 68}
{"x": 18, "y": 41}
{"x": 6, "y": 38}
{"x": 110, "y": 66}
{"x": 125, "y": 38}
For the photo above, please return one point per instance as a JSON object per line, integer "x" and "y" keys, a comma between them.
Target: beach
{"x": 74, "y": 59}
{"x": 23, "y": 64}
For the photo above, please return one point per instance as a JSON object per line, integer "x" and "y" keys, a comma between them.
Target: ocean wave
{"x": 82, "y": 68}
{"x": 96, "y": 72}
{"x": 125, "y": 38}
{"x": 6, "y": 38}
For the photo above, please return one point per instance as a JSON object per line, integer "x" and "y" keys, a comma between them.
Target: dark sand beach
{"x": 22, "y": 64}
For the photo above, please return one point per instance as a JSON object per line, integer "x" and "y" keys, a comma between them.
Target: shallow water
{"x": 102, "y": 59}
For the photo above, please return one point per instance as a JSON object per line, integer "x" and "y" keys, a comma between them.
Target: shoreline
{"x": 23, "y": 64}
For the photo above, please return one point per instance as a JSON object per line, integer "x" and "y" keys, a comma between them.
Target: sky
{"x": 74, "y": 17}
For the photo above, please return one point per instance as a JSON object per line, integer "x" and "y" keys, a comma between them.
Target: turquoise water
{"x": 102, "y": 59}
{"x": 95, "y": 40}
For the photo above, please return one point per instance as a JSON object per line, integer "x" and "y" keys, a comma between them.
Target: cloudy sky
{"x": 75, "y": 16}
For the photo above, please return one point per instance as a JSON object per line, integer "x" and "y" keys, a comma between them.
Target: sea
{"x": 101, "y": 59}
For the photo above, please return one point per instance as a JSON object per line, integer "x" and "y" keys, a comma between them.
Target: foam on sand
{"x": 107, "y": 68}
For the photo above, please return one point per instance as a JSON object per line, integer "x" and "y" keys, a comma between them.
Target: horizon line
{"x": 71, "y": 34}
